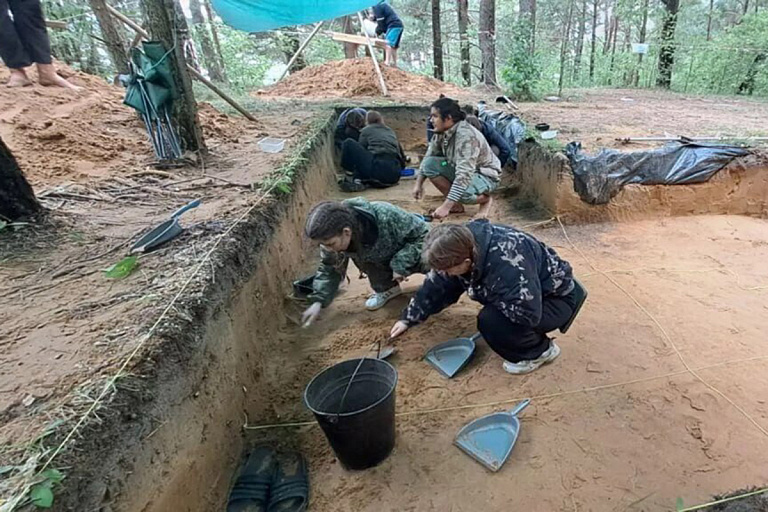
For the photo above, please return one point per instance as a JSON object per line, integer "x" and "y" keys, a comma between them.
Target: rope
{"x": 663, "y": 331}
{"x": 506, "y": 401}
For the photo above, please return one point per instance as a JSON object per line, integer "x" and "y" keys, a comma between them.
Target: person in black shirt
{"x": 389, "y": 24}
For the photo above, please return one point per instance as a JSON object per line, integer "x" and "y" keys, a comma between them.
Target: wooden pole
{"x": 373, "y": 56}
{"x": 143, "y": 33}
{"x": 301, "y": 49}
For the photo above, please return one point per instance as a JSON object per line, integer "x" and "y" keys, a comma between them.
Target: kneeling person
{"x": 525, "y": 288}
{"x": 376, "y": 160}
{"x": 384, "y": 241}
{"x": 459, "y": 162}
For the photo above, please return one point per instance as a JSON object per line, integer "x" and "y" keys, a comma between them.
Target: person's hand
{"x": 399, "y": 328}
{"x": 442, "y": 212}
{"x": 418, "y": 191}
{"x": 310, "y": 314}
{"x": 398, "y": 278}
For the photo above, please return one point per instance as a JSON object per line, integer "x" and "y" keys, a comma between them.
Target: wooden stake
{"x": 61, "y": 25}
{"x": 373, "y": 56}
{"x": 143, "y": 33}
{"x": 301, "y": 49}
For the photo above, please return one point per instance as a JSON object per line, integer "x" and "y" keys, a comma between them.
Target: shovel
{"x": 163, "y": 233}
{"x": 490, "y": 439}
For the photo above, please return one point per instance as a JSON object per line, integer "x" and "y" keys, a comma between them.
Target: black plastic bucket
{"x": 361, "y": 431}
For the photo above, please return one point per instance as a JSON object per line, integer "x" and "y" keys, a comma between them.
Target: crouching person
{"x": 525, "y": 288}
{"x": 382, "y": 240}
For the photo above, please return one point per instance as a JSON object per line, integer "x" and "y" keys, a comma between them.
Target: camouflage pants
{"x": 434, "y": 166}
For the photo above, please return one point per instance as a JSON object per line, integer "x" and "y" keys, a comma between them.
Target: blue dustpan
{"x": 490, "y": 439}
{"x": 453, "y": 355}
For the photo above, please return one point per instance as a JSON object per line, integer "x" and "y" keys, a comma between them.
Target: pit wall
{"x": 741, "y": 188}
{"x": 178, "y": 445}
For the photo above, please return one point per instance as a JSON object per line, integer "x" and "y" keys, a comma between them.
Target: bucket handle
{"x": 519, "y": 407}
{"x": 346, "y": 389}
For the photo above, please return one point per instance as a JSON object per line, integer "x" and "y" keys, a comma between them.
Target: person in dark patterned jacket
{"x": 525, "y": 288}
{"x": 384, "y": 241}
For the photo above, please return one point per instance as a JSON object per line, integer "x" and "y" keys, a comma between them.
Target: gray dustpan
{"x": 453, "y": 355}
{"x": 490, "y": 439}
{"x": 163, "y": 233}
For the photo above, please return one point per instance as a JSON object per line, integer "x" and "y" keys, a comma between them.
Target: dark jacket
{"x": 495, "y": 138}
{"x": 382, "y": 142}
{"x": 344, "y": 132}
{"x": 512, "y": 272}
{"x": 386, "y": 18}
{"x": 393, "y": 237}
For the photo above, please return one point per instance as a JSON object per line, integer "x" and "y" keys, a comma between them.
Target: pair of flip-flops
{"x": 271, "y": 482}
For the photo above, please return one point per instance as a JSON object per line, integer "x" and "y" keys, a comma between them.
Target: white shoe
{"x": 378, "y": 300}
{"x": 528, "y": 366}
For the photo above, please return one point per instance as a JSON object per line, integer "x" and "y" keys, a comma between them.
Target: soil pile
{"x": 354, "y": 78}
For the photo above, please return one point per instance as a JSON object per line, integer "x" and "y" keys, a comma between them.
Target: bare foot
{"x": 485, "y": 209}
{"x": 48, "y": 77}
{"x": 457, "y": 208}
{"x": 18, "y": 79}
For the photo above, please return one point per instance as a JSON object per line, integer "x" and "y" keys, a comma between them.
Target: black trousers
{"x": 23, "y": 39}
{"x": 380, "y": 275}
{"x": 372, "y": 170}
{"x": 516, "y": 342}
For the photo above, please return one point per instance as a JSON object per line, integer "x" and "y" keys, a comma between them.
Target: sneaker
{"x": 378, "y": 300}
{"x": 352, "y": 185}
{"x": 528, "y": 366}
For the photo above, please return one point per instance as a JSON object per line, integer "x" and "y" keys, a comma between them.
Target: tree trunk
{"x": 595, "y": 7}
{"x": 608, "y": 27}
{"x": 17, "y": 199}
{"x": 162, "y": 16}
{"x": 748, "y": 85}
{"x": 488, "y": 40}
{"x": 201, "y": 31}
{"x": 746, "y": 6}
{"x": 580, "y": 40}
{"x": 564, "y": 48}
{"x": 350, "y": 49}
{"x": 466, "y": 71}
{"x": 709, "y": 20}
{"x": 113, "y": 37}
{"x": 438, "y": 67}
{"x": 216, "y": 43}
{"x": 528, "y": 17}
{"x": 667, "y": 53}
{"x": 643, "y": 29}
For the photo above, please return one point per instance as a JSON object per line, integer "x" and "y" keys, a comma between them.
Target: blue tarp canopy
{"x": 261, "y": 15}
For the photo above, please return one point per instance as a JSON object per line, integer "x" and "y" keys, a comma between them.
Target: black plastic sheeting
{"x": 509, "y": 125}
{"x": 597, "y": 179}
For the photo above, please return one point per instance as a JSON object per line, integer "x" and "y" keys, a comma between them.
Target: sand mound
{"x": 58, "y": 135}
{"x": 353, "y": 78}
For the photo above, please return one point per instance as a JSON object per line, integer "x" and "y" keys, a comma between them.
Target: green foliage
{"x": 122, "y": 268}
{"x": 41, "y": 494}
{"x": 244, "y": 61}
{"x": 522, "y": 73}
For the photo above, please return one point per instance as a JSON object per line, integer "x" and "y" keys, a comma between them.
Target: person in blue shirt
{"x": 349, "y": 125}
{"x": 496, "y": 140}
{"x": 389, "y": 24}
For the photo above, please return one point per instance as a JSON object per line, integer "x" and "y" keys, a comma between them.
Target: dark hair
{"x": 374, "y": 117}
{"x": 449, "y": 108}
{"x": 474, "y": 121}
{"x": 328, "y": 219}
{"x": 355, "y": 119}
{"x": 448, "y": 245}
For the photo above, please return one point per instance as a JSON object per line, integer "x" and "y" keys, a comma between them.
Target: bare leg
{"x": 18, "y": 78}
{"x": 393, "y": 57}
{"x": 47, "y": 76}
{"x": 443, "y": 184}
{"x": 485, "y": 202}
{"x": 387, "y": 56}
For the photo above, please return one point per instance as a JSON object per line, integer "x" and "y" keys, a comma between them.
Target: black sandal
{"x": 290, "y": 490}
{"x": 252, "y": 487}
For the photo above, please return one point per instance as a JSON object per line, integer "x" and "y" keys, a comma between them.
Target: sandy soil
{"x": 356, "y": 78}
{"x": 63, "y": 325}
{"x": 599, "y": 116}
{"x": 617, "y": 423}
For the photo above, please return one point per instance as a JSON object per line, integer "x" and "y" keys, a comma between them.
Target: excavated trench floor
{"x": 659, "y": 393}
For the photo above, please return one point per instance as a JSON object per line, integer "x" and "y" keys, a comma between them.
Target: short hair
{"x": 355, "y": 119}
{"x": 448, "y": 107}
{"x": 329, "y": 218}
{"x": 448, "y": 245}
{"x": 374, "y": 117}
{"x": 474, "y": 121}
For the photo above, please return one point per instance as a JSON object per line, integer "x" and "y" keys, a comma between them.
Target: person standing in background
{"x": 389, "y": 24}
{"x": 24, "y": 41}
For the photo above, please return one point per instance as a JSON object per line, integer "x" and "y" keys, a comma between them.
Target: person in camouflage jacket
{"x": 525, "y": 288}
{"x": 384, "y": 241}
{"x": 459, "y": 162}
